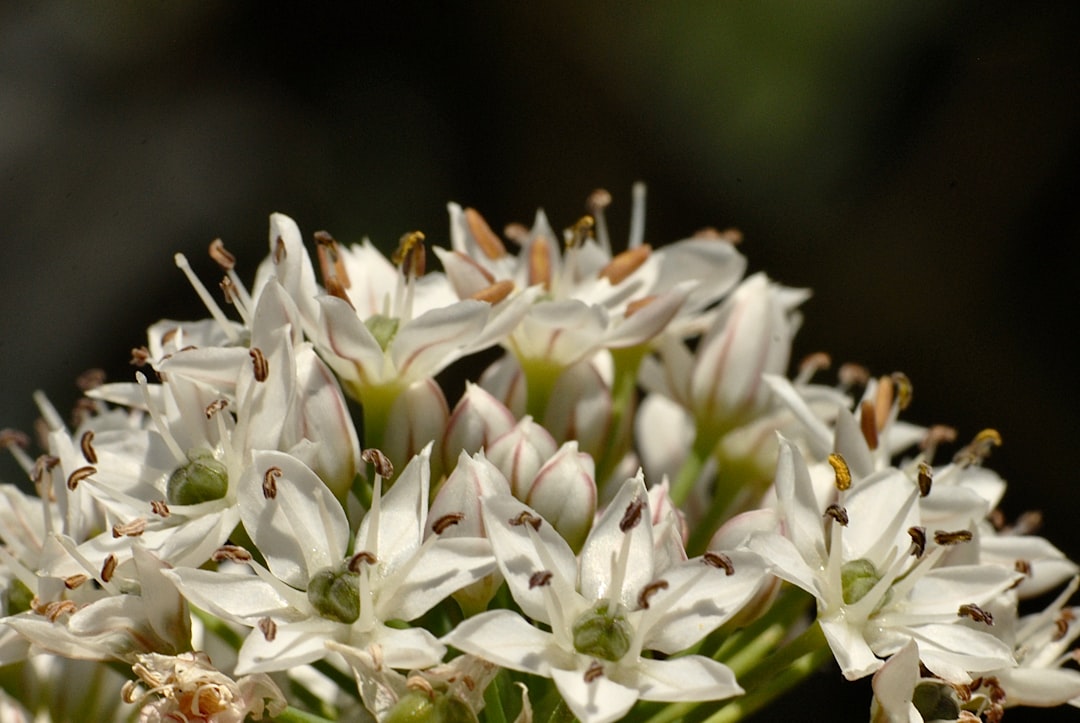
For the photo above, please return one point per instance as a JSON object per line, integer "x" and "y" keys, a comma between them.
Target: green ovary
{"x": 202, "y": 479}
{"x": 418, "y": 707}
{"x": 335, "y": 595}
{"x": 602, "y": 634}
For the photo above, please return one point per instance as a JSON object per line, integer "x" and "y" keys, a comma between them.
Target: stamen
{"x": 841, "y": 470}
{"x": 330, "y": 261}
{"x": 335, "y": 288}
{"x": 540, "y": 263}
{"x": 1023, "y": 567}
{"x": 268, "y": 628}
{"x": 979, "y": 449}
{"x": 526, "y": 518}
{"x": 43, "y": 465}
{"x": 904, "y": 390}
{"x": 280, "y": 252}
{"x": 837, "y": 513}
{"x": 853, "y": 375}
{"x": 918, "y": 540}
{"x": 258, "y": 361}
{"x": 363, "y": 556}
{"x": 811, "y": 365}
{"x": 1061, "y": 628}
{"x": 638, "y": 304}
{"x": 867, "y": 424}
{"x": 495, "y": 293}
{"x": 626, "y": 263}
{"x": 232, "y": 553}
{"x": 883, "y": 402}
{"x": 594, "y": 671}
{"x": 269, "y": 485}
{"x": 73, "y": 581}
{"x": 595, "y": 204}
{"x": 159, "y": 423}
{"x": 214, "y": 407}
{"x": 445, "y": 522}
{"x": 90, "y": 379}
{"x": 108, "y": 568}
{"x": 221, "y": 255}
{"x": 976, "y": 613}
{"x": 516, "y": 232}
{"x": 410, "y": 255}
{"x": 540, "y": 579}
{"x": 140, "y": 356}
{"x": 16, "y": 442}
{"x": 78, "y": 476}
{"x": 719, "y": 560}
{"x": 637, "y": 216}
{"x": 952, "y": 538}
{"x": 935, "y": 435}
{"x": 485, "y": 238}
{"x": 632, "y": 516}
{"x": 130, "y": 692}
{"x": 925, "y": 479}
{"x": 130, "y": 529}
{"x": 648, "y": 591}
{"x": 379, "y": 461}
{"x": 207, "y": 299}
{"x": 1027, "y": 523}
{"x": 85, "y": 444}
{"x": 576, "y": 236}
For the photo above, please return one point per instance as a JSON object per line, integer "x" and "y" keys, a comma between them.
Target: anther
{"x": 108, "y": 568}
{"x": 936, "y": 435}
{"x": 14, "y": 438}
{"x": 867, "y": 424}
{"x": 925, "y": 479}
{"x": 268, "y": 628}
{"x": 485, "y": 238}
{"x": 330, "y": 261}
{"x": 335, "y": 288}
{"x": 624, "y": 264}
{"x": 90, "y": 379}
{"x": 495, "y": 293}
{"x": 526, "y": 518}
{"x": 540, "y": 263}
{"x": 841, "y": 470}
{"x": 580, "y": 232}
{"x": 221, "y": 255}
{"x": 952, "y": 538}
{"x": 269, "y": 485}
{"x": 594, "y": 671}
{"x": 214, "y": 407}
{"x": 279, "y": 250}
{"x": 79, "y": 475}
{"x": 1028, "y": 523}
{"x": 420, "y": 684}
{"x": 75, "y": 581}
{"x": 632, "y": 516}
{"x": 87, "y": 447}
{"x": 228, "y": 289}
{"x": 445, "y": 522}
{"x": 259, "y": 363}
{"x": 638, "y": 304}
{"x": 719, "y": 560}
{"x": 540, "y": 579}
{"x": 516, "y": 232}
{"x": 140, "y": 356}
{"x": 886, "y": 393}
{"x": 43, "y": 465}
{"x": 837, "y": 513}
{"x": 410, "y": 254}
{"x": 160, "y": 508}
{"x": 904, "y": 390}
{"x": 979, "y": 449}
{"x": 918, "y": 540}
{"x": 648, "y": 591}
{"x": 130, "y": 529}
{"x": 56, "y": 608}
{"x": 598, "y": 200}
{"x": 232, "y": 553}
{"x": 130, "y": 692}
{"x": 812, "y": 364}
{"x": 1061, "y": 629}
{"x": 363, "y": 556}
{"x": 379, "y": 461}
{"x": 853, "y": 375}
{"x": 976, "y": 613}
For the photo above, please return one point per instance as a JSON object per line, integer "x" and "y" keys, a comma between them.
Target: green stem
{"x": 744, "y": 650}
{"x": 344, "y": 681}
{"x": 623, "y": 398}
{"x": 689, "y": 472}
{"x": 292, "y": 715}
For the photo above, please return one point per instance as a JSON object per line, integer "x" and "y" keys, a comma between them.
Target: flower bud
{"x": 478, "y": 420}
{"x": 202, "y": 479}
{"x": 520, "y": 453}
{"x": 564, "y": 493}
{"x": 421, "y": 707}
{"x": 418, "y": 416}
{"x": 580, "y": 407}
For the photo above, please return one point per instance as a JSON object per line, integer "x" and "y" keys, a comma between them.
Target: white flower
{"x": 605, "y": 608}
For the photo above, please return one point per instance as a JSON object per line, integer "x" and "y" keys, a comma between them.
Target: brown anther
{"x": 904, "y": 390}
{"x": 84, "y": 409}
{"x": 335, "y": 288}
{"x": 841, "y": 470}
{"x": 632, "y": 516}
{"x": 1023, "y": 567}
{"x": 228, "y": 289}
{"x": 87, "y": 446}
{"x": 419, "y": 684}
{"x": 379, "y": 461}
{"x": 79, "y": 475}
{"x": 130, "y": 529}
{"x": 160, "y": 508}
{"x": 468, "y": 682}
{"x": 43, "y": 465}
{"x": 445, "y": 522}
{"x": 259, "y": 364}
{"x": 937, "y": 434}
{"x": 867, "y": 424}
{"x": 883, "y": 402}
{"x": 997, "y": 519}
{"x": 624, "y": 264}
{"x": 540, "y": 262}
{"x": 170, "y": 335}
{"x": 719, "y": 560}
{"x": 526, "y": 518}
{"x": 90, "y": 379}
{"x": 597, "y": 201}
{"x": 130, "y": 692}
{"x": 221, "y": 255}
{"x": 813, "y": 363}
{"x": 330, "y": 260}
{"x": 13, "y": 438}
{"x": 976, "y": 613}
{"x": 648, "y": 591}
{"x": 979, "y": 449}
{"x": 214, "y": 407}
{"x": 495, "y": 293}
{"x": 108, "y": 568}
{"x": 853, "y": 375}
{"x": 409, "y": 255}
{"x": 540, "y": 579}
{"x": 73, "y": 581}
{"x": 952, "y": 538}
{"x": 708, "y": 232}
{"x": 594, "y": 671}
{"x": 485, "y": 238}
{"x": 580, "y": 232}
{"x": 268, "y": 628}
{"x": 140, "y": 356}
{"x": 368, "y": 558}
{"x": 837, "y": 513}
{"x": 638, "y": 304}
{"x": 1061, "y": 629}
{"x": 279, "y": 250}
{"x": 925, "y": 479}
{"x": 918, "y": 540}
{"x": 516, "y": 232}
{"x": 964, "y": 691}
{"x": 56, "y": 608}
{"x": 269, "y": 485}
{"x": 1028, "y": 523}
{"x": 232, "y": 553}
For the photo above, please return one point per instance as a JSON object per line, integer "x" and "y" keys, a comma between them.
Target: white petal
{"x": 599, "y": 701}
{"x": 408, "y": 648}
{"x": 345, "y": 335}
{"x": 293, "y": 645}
{"x": 444, "y": 567}
{"x": 895, "y": 682}
{"x": 424, "y": 346}
{"x": 692, "y": 677}
{"x": 504, "y": 638}
{"x": 1039, "y": 686}
{"x": 402, "y": 515}
{"x": 785, "y": 561}
{"x": 849, "y": 647}
{"x": 602, "y": 550}
{"x": 240, "y": 598}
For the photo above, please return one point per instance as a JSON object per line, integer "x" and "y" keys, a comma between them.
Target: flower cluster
{"x": 631, "y": 512}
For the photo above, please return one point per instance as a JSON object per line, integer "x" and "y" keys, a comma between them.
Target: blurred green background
{"x": 915, "y": 164}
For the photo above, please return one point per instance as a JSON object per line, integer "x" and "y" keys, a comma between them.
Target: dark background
{"x": 914, "y": 163}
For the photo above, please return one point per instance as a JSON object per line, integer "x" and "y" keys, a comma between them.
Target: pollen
{"x": 841, "y": 470}
{"x": 409, "y": 255}
{"x": 580, "y": 232}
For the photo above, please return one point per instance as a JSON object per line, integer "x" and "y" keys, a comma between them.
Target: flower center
{"x": 335, "y": 594}
{"x": 602, "y": 633}
{"x": 201, "y": 479}
{"x": 383, "y": 328}
{"x": 857, "y": 577}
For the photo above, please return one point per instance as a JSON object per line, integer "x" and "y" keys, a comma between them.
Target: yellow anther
{"x": 843, "y": 472}
{"x": 904, "y": 389}
{"x": 580, "y": 232}
{"x": 410, "y": 254}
